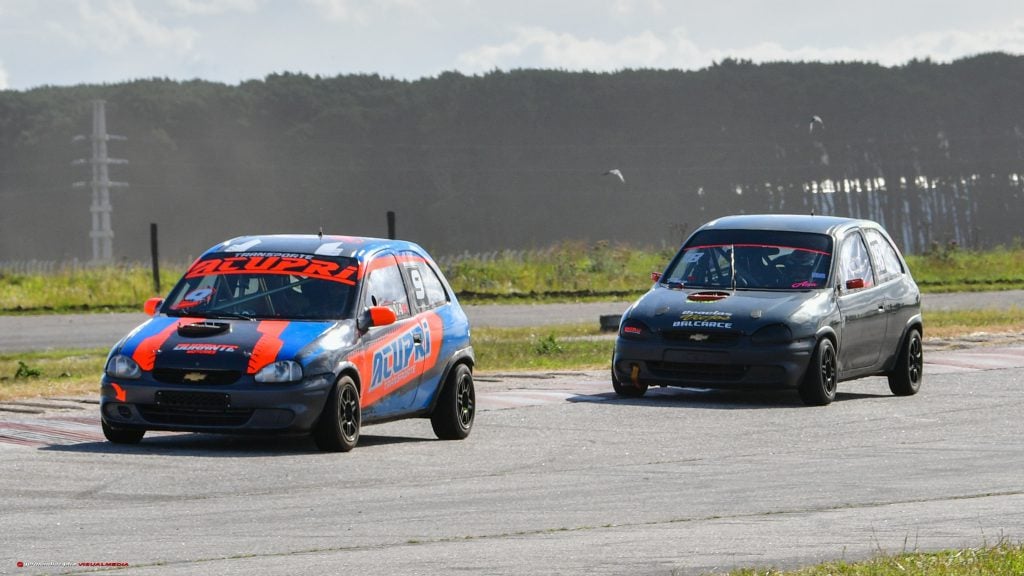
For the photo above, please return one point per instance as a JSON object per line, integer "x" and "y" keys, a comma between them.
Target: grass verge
{"x": 1000, "y": 560}
{"x": 571, "y": 271}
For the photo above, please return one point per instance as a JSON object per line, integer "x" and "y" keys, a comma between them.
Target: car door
{"x": 428, "y": 296}
{"x": 392, "y": 350}
{"x": 861, "y": 307}
{"x": 899, "y": 301}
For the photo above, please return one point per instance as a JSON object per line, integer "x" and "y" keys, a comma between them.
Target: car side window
{"x": 887, "y": 263}
{"x": 854, "y": 263}
{"x": 385, "y": 287}
{"x": 427, "y": 289}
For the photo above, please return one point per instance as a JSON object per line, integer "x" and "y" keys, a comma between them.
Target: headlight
{"x": 634, "y": 329}
{"x": 772, "y": 334}
{"x": 121, "y": 366}
{"x": 283, "y": 371}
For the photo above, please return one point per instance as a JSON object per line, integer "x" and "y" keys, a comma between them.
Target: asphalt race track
{"x": 559, "y": 477}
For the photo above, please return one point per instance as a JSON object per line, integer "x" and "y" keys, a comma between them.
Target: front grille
{"x": 699, "y": 372}
{"x": 199, "y": 377}
{"x": 193, "y": 400}
{"x": 702, "y": 338}
{"x": 194, "y": 409}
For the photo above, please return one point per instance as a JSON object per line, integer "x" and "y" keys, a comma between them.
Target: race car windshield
{"x": 266, "y": 285}
{"x": 752, "y": 260}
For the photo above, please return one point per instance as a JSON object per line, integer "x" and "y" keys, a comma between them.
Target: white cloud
{"x": 213, "y": 7}
{"x": 342, "y": 11}
{"x": 951, "y": 44}
{"x": 3, "y": 77}
{"x": 115, "y": 25}
{"x": 362, "y": 12}
{"x": 541, "y": 48}
{"x": 939, "y": 46}
{"x": 535, "y": 47}
{"x": 627, "y": 7}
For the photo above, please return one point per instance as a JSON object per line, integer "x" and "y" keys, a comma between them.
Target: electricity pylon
{"x": 102, "y": 234}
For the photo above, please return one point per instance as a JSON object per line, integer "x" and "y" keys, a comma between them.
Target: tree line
{"x": 517, "y": 159}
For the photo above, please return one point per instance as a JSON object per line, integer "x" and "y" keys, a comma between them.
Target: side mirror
{"x": 151, "y": 306}
{"x": 855, "y": 284}
{"x": 655, "y": 276}
{"x": 377, "y": 316}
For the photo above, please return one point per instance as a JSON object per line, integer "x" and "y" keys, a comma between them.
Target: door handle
{"x": 417, "y": 338}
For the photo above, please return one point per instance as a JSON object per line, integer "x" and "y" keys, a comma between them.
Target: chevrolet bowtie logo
{"x": 699, "y": 337}
{"x": 194, "y": 377}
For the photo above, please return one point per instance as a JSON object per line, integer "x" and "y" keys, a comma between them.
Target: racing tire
{"x": 455, "y": 411}
{"x": 337, "y": 430}
{"x": 121, "y": 435}
{"x": 628, "y": 390}
{"x": 905, "y": 378}
{"x": 819, "y": 384}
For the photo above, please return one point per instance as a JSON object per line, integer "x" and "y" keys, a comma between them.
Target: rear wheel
{"x": 628, "y": 389}
{"x": 819, "y": 385}
{"x": 456, "y": 408}
{"x": 905, "y": 379}
{"x": 338, "y": 427}
{"x": 121, "y": 435}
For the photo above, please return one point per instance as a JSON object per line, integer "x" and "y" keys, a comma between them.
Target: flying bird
{"x": 615, "y": 172}
{"x": 815, "y": 120}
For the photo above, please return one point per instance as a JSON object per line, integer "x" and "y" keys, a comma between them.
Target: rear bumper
{"x": 239, "y": 408}
{"x": 745, "y": 366}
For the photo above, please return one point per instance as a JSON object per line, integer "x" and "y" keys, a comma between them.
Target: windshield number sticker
{"x": 194, "y": 298}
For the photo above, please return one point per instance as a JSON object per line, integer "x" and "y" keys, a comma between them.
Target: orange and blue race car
{"x": 296, "y": 334}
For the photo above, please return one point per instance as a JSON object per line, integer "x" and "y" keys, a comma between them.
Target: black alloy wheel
{"x": 455, "y": 412}
{"x": 906, "y": 377}
{"x": 339, "y": 424}
{"x": 819, "y": 385}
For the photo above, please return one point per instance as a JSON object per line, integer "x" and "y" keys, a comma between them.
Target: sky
{"x": 69, "y": 42}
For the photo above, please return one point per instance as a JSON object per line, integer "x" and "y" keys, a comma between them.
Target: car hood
{"x": 227, "y": 344}
{"x": 743, "y": 310}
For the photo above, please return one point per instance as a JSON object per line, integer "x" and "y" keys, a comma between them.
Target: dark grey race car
{"x": 776, "y": 301}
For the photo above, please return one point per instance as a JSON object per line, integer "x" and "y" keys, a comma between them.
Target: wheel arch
{"x": 827, "y": 332}
{"x": 463, "y": 356}
{"x": 348, "y": 369}
{"x": 914, "y": 322}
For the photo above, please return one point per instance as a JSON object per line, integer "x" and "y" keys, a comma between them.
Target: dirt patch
{"x": 975, "y": 339}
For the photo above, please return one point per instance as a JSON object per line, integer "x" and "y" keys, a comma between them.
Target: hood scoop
{"x": 708, "y": 296}
{"x": 200, "y": 329}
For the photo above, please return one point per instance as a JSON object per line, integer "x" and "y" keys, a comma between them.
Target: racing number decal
{"x": 417, "y": 284}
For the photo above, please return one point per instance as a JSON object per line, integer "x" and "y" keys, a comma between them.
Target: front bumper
{"x": 145, "y": 404}
{"x": 657, "y": 363}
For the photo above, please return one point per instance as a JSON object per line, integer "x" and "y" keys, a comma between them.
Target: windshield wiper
{"x": 223, "y": 314}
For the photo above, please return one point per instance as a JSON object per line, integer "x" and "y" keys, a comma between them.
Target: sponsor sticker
{"x": 704, "y": 319}
{"x": 193, "y": 348}
{"x": 396, "y": 361}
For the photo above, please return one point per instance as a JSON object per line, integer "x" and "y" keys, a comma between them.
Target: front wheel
{"x": 905, "y": 378}
{"x": 819, "y": 385}
{"x": 456, "y": 408}
{"x": 628, "y": 390}
{"x": 121, "y": 435}
{"x": 338, "y": 427}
